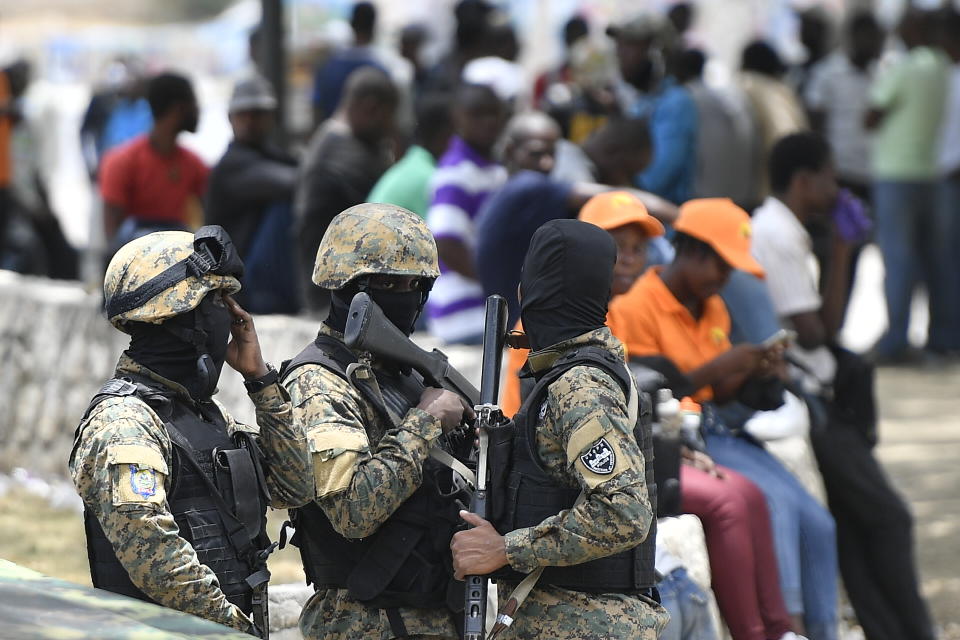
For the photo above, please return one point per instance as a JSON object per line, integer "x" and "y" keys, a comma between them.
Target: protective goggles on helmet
{"x": 213, "y": 253}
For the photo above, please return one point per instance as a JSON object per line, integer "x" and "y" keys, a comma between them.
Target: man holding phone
{"x": 874, "y": 526}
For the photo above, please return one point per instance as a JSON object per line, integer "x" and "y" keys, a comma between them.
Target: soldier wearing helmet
{"x": 175, "y": 490}
{"x": 375, "y": 542}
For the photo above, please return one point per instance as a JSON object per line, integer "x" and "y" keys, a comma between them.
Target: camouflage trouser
{"x": 333, "y": 615}
{"x": 560, "y": 614}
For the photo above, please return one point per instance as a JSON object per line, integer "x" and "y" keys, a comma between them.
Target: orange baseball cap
{"x": 722, "y": 225}
{"x": 613, "y": 209}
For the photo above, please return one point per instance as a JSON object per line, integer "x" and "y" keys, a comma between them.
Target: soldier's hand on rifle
{"x": 477, "y": 551}
{"x": 243, "y": 352}
{"x": 445, "y": 406}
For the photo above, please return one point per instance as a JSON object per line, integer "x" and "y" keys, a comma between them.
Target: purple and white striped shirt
{"x": 462, "y": 183}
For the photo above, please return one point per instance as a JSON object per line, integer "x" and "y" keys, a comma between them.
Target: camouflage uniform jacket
{"x": 123, "y": 433}
{"x": 364, "y": 470}
{"x": 582, "y": 406}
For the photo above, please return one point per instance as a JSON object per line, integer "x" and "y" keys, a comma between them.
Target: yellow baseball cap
{"x": 724, "y": 226}
{"x": 613, "y": 209}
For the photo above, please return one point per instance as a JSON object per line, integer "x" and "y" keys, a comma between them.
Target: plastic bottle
{"x": 690, "y": 416}
{"x": 668, "y": 412}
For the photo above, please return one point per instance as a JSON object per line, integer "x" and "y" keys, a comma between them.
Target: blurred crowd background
{"x": 721, "y": 80}
{"x": 490, "y": 118}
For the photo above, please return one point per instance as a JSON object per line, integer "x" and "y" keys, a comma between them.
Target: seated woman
{"x": 733, "y": 511}
{"x": 676, "y": 312}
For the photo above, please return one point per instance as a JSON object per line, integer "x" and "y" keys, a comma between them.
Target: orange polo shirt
{"x": 650, "y": 321}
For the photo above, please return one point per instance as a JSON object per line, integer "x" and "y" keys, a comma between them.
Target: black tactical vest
{"x": 218, "y": 497}
{"x": 524, "y": 494}
{"x": 406, "y": 562}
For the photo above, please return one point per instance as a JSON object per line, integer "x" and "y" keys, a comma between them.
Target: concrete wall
{"x": 57, "y": 348}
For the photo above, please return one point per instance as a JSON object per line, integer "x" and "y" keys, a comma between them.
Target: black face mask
{"x": 401, "y": 308}
{"x": 189, "y": 349}
{"x": 214, "y": 319}
{"x": 565, "y": 283}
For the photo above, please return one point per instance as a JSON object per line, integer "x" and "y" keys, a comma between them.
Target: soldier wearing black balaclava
{"x": 580, "y": 506}
{"x": 175, "y": 490}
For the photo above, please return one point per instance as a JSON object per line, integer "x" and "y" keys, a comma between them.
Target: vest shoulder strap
{"x": 325, "y": 351}
{"x": 590, "y": 356}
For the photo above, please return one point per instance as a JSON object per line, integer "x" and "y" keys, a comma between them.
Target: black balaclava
{"x": 566, "y": 280}
{"x": 401, "y": 308}
{"x": 189, "y": 349}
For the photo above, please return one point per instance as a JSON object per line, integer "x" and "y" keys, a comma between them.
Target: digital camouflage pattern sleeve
{"x": 359, "y": 483}
{"x": 585, "y": 410}
{"x": 363, "y": 470}
{"x": 120, "y": 465}
{"x": 284, "y": 443}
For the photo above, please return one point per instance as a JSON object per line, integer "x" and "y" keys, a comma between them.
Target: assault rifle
{"x": 488, "y": 416}
{"x": 368, "y": 329}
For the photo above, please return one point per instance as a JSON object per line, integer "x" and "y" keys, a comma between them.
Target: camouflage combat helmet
{"x": 374, "y": 238}
{"x": 166, "y": 273}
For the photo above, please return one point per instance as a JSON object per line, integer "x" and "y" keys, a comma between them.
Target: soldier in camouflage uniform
{"x": 189, "y": 537}
{"x": 589, "y": 508}
{"x": 370, "y": 428}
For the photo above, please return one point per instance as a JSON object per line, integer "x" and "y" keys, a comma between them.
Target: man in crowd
{"x": 345, "y": 158}
{"x": 407, "y": 183}
{"x": 874, "y": 527}
{"x": 466, "y": 176}
{"x": 837, "y": 96}
{"x": 574, "y": 31}
{"x": 948, "y": 192}
{"x": 152, "y": 183}
{"x": 529, "y": 199}
{"x": 646, "y": 93}
{"x": 588, "y": 526}
{"x": 775, "y": 104}
{"x": 331, "y": 78}
{"x": 158, "y": 462}
{"x": 13, "y": 82}
{"x": 727, "y": 143}
{"x": 251, "y": 196}
{"x": 371, "y": 426}
{"x": 906, "y": 107}
{"x": 116, "y": 113}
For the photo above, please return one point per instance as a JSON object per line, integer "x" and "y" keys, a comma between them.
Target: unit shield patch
{"x": 600, "y": 458}
{"x": 143, "y": 481}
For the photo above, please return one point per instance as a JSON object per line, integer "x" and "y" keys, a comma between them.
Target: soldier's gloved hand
{"x": 445, "y": 406}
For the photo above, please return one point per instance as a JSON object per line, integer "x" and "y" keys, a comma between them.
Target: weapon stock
{"x": 368, "y": 329}
{"x": 488, "y": 415}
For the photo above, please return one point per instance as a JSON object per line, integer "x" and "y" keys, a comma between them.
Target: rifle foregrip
{"x": 475, "y": 600}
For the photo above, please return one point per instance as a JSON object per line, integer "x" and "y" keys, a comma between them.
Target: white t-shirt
{"x": 785, "y": 251}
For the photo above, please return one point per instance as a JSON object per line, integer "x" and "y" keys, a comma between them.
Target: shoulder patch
{"x": 543, "y": 409}
{"x": 143, "y": 481}
{"x": 600, "y": 458}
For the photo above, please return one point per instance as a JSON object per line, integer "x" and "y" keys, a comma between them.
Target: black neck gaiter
{"x": 188, "y": 349}
{"x": 565, "y": 283}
